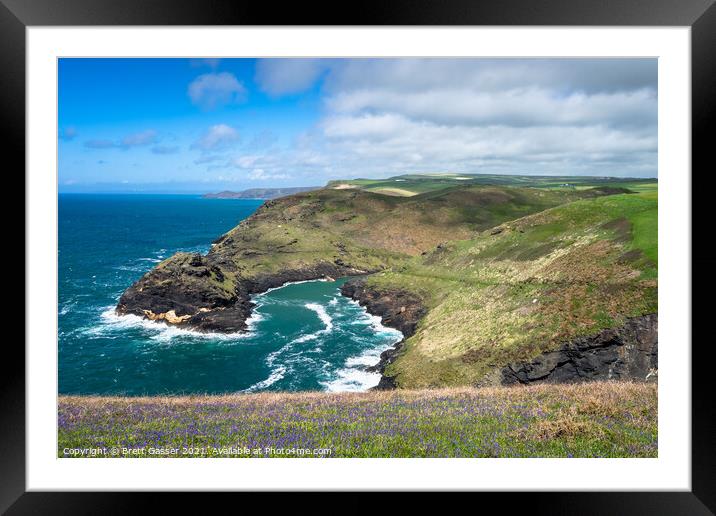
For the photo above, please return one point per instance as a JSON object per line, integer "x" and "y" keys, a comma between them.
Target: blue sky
{"x": 197, "y": 125}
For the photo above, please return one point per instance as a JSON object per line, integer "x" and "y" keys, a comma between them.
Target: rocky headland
{"x": 192, "y": 292}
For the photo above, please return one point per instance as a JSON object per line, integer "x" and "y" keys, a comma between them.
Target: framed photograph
{"x": 431, "y": 248}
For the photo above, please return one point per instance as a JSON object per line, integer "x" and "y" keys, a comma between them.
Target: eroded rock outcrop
{"x": 188, "y": 290}
{"x": 626, "y": 353}
{"x": 206, "y": 294}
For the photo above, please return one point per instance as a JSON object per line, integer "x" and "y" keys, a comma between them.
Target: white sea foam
{"x": 368, "y": 358}
{"x": 353, "y": 376}
{"x": 277, "y": 374}
{"x": 66, "y": 307}
{"x": 326, "y": 319}
{"x": 255, "y": 318}
{"x": 271, "y": 357}
{"x": 162, "y": 332}
{"x": 351, "y": 380}
{"x": 375, "y": 322}
{"x": 306, "y": 338}
{"x": 287, "y": 284}
{"x": 320, "y": 310}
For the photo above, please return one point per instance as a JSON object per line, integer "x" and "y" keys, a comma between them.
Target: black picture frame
{"x": 700, "y": 15}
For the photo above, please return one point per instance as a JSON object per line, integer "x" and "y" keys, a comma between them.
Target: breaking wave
{"x": 161, "y": 332}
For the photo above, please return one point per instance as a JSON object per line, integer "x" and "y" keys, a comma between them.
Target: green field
{"x": 594, "y": 420}
{"x": 412, "y": 184}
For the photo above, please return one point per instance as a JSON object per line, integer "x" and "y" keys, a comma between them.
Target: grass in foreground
{"x": 606, "y": 419}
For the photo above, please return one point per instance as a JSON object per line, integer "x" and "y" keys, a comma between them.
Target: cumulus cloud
{"x": 384, "y": 117}
{"x": 520, "y": 116}
{"x": 516, "y": 107}
{"x": 217, "y": 137}
{"x": 370, "y": 140}
{"x": 213, "y": 90}
{"x": 490, "y": 75}
{"x": 288, "y": 76}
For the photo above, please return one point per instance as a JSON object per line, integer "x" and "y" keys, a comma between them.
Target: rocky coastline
{"x": 398, "y": 309}
{"x": 192, "y": 291}
{"x": 629, "y": 352}
{"x": 189, "y": 292}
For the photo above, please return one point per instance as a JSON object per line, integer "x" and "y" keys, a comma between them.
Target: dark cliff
{"x": 397, "y": 309}
{"x": 629, "y": 352}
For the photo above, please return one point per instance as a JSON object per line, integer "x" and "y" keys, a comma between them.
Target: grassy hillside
{"x": 370, "y": 230}
{"x": 527, "y": 286}
{"x": 505, "y": 272}
{"x": 594, "y": 420}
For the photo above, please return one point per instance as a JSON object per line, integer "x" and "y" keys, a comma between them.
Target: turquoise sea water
{"x": 303, "y": 336}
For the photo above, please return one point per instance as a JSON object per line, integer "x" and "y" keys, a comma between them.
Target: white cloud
{"x": 244, "y": 161}
{"x": 259, "y": 174}
{"x": 288, "y": 76}
{"x": 376, "y": 143}
{"x": 547, "y": 116}
{"x": 213, "y": 90}
{"x": 516, "y": 107}
{"x": 493, "y": 75}
{"x": 217, "y": 137}
{"x": 515, "y": 116}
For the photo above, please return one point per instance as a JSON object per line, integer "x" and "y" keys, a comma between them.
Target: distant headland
{"x": 260, "y": 193}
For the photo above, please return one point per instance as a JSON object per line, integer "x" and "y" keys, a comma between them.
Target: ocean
{"x": 303, "y": 336}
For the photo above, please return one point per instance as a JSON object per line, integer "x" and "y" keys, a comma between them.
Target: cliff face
{"x": 398, "y": 309}
{"x": 629, "y": 352}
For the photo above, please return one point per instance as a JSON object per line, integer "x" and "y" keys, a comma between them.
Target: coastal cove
{"x": 302, "y": 336}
